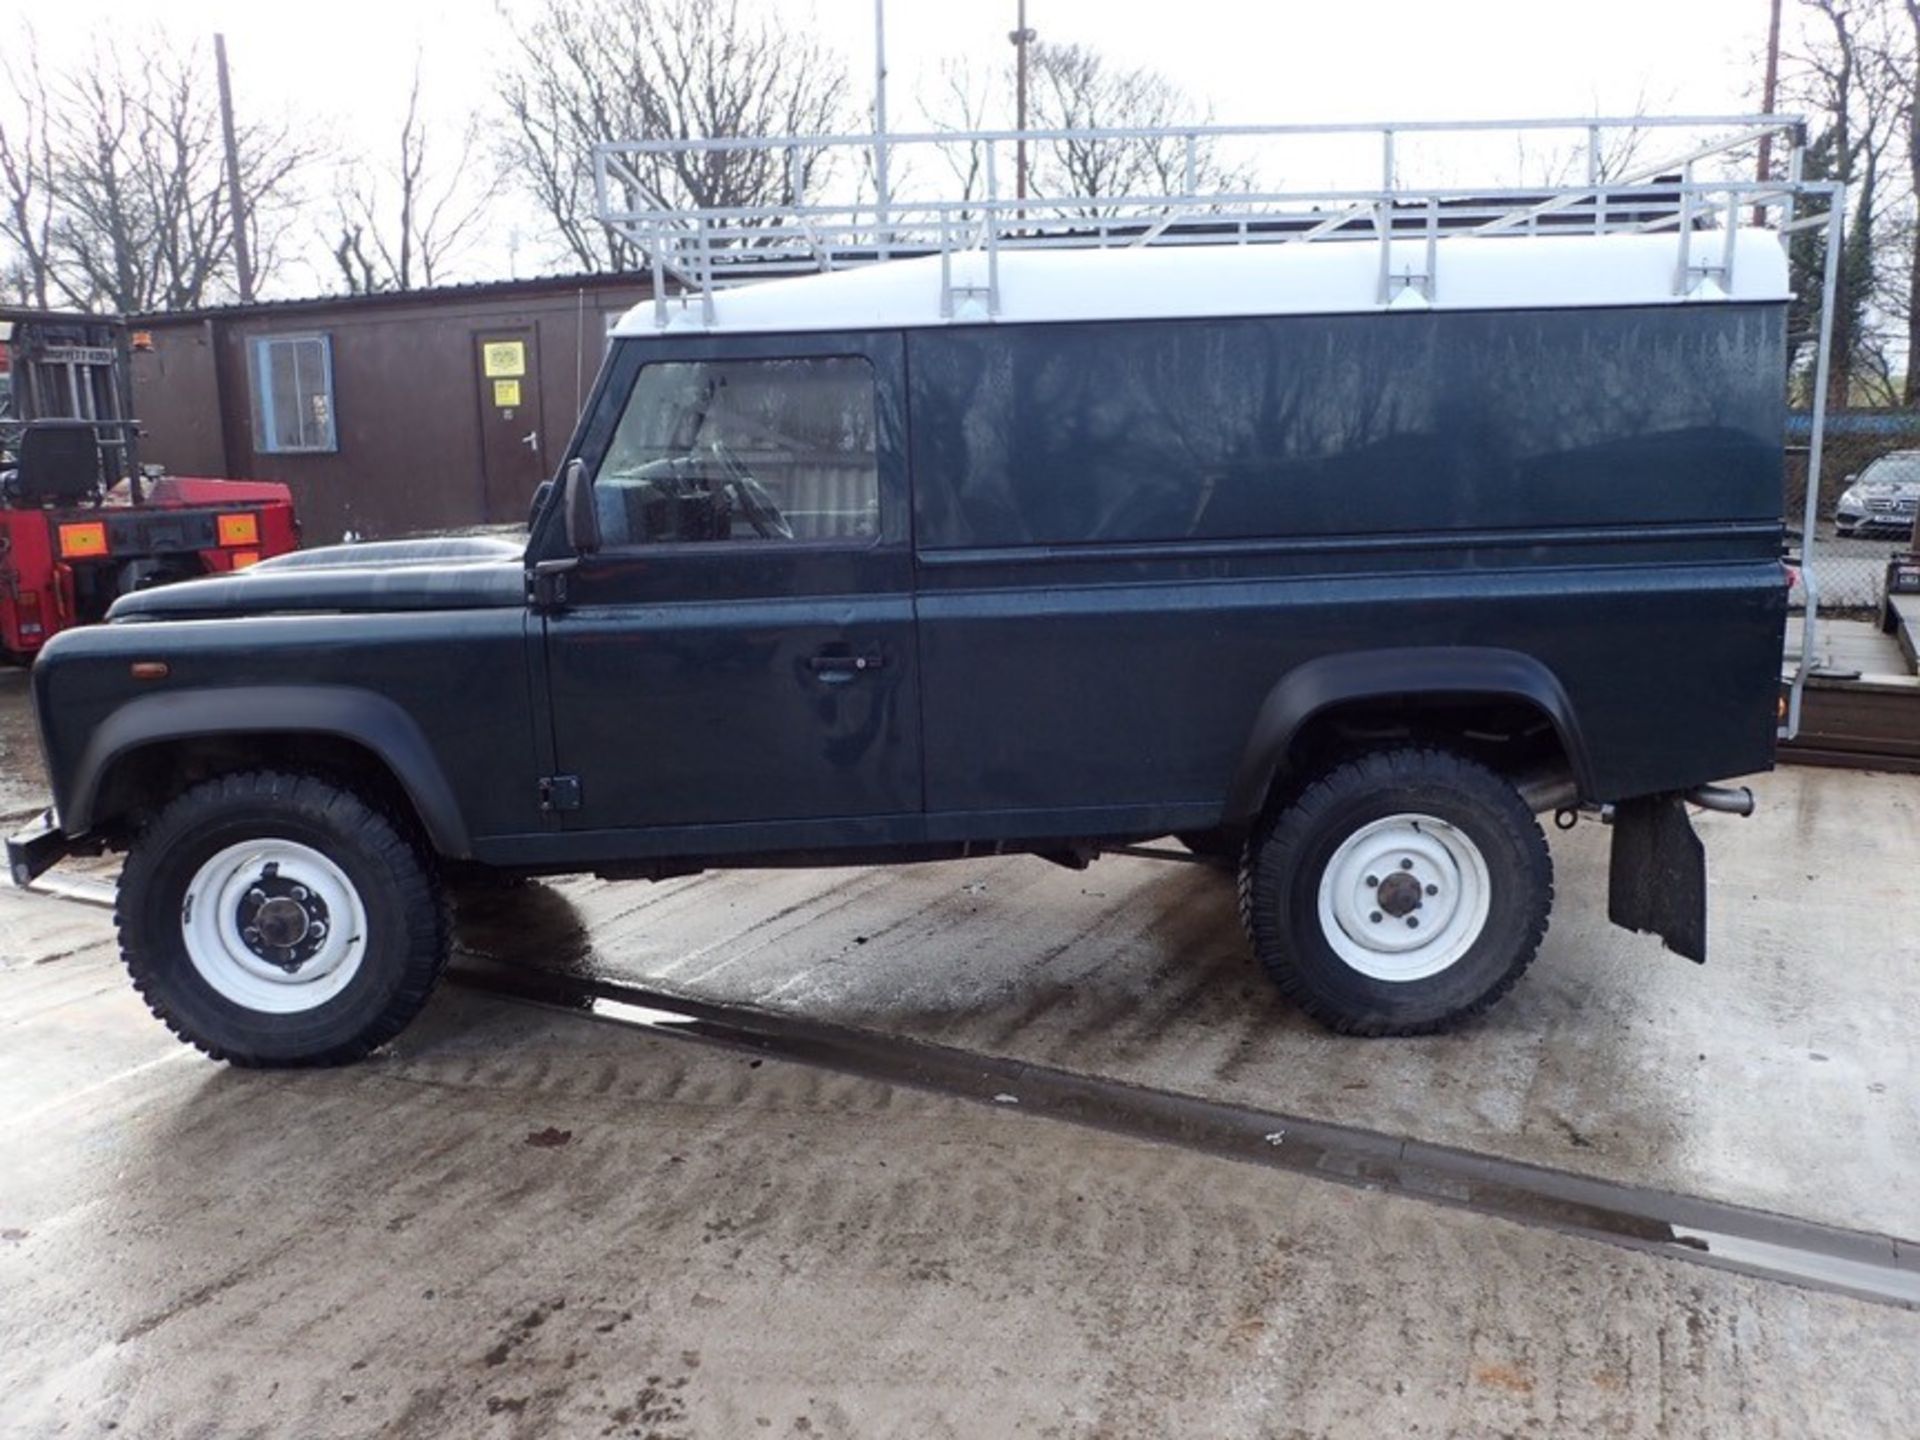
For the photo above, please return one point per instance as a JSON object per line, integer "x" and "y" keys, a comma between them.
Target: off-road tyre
{"x": 405, "y": 936}
{"x": 1288, "y": 856}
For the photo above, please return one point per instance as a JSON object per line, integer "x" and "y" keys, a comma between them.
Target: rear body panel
{"x": 1129, "y": 533}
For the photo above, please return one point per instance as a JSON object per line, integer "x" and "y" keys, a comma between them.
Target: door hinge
{"x": 547, "y": 582}
{"x": 559, "y": 792}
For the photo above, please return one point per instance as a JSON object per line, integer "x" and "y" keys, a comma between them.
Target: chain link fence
{"x": 1851, "y": 547}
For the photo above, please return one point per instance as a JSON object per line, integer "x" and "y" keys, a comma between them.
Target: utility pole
{"x": 1021, "y": 37}
{"x": 880, "y": 118}
{"x": 242, "y": 260}
{"x": 1768, "y": 90}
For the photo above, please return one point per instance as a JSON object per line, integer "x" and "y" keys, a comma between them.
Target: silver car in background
{"x": 1883, "y": 497}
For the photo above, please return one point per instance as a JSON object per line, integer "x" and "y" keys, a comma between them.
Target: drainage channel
{"x": 1705, "y": 1232}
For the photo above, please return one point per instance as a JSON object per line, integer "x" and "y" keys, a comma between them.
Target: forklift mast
{"x": 57, "y": 365}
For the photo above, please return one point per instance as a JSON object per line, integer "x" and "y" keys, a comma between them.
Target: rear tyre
{"x": 275, "y": 919}
{"x": 1399, "y": 894}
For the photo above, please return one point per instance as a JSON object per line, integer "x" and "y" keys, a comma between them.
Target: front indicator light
{"x": 243, "y": 558}
{"x": 239, "y": 530}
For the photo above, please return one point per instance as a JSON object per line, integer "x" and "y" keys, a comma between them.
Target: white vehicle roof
{"x": 1190, "y": 281}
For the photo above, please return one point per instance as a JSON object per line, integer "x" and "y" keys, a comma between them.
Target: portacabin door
{"x": 735, "y": 669}
{"x": 512, "y": 448}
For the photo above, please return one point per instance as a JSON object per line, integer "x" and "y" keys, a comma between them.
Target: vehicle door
{"x": 734, "y": 668}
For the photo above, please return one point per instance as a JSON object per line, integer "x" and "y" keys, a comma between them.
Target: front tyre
{"x": 276, "y": 919}
{"x": 1399, "y": 894}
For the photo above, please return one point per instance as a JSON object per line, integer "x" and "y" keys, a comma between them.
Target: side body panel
{"x": 434, "y": 690}
{"x": 1130, "y": 535}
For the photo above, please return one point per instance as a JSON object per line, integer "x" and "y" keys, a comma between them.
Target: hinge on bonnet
{"x": 559, "y": 792}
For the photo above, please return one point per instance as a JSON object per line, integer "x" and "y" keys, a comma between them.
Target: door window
{"x": 719, "y": 450}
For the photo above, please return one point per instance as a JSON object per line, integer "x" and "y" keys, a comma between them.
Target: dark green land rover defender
{"x": 1217, "y": 542}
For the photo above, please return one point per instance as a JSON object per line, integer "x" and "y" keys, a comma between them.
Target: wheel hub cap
{"x": 1404, "y": 897}
{"x": 274, "y": 925}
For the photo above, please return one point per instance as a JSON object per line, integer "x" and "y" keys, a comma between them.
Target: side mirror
{"x": 542, "y": 493}
{"x": 583, "y": 522}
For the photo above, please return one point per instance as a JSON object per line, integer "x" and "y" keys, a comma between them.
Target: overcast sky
{"x": 343, "y": 66}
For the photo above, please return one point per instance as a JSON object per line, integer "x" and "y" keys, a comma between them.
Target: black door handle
{"x": 825, "y": 664}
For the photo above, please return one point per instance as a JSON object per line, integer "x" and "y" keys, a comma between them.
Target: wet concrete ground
{"x": 1780, "y": 1075}
{"x": 515, "y": 1223}
{"x": 23, "y": 784}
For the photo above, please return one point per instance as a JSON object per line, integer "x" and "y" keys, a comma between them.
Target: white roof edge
{"x": 1187, "y": 282}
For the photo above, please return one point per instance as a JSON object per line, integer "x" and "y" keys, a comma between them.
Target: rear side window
{"x": 722, "y": 450}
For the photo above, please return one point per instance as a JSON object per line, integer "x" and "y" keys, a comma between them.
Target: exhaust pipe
{"x": 1727, "y": 799}
{"x": 1548, "y": 790}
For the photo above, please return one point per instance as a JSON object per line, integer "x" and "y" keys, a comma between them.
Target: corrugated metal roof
{"x": 476, "y": 290}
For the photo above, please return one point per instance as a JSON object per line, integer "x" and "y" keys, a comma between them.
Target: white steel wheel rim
{"x": 1401, "y": 869}
{"x": 217, "y": 944}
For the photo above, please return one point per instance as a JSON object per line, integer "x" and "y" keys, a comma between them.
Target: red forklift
{"x": 82, "y": 521}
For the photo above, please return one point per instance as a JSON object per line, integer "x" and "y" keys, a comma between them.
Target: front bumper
{"x": 1892, "y": 521}
{"x": 36, "y": 849}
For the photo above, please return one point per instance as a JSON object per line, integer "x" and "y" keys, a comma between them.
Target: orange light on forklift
{"x": 240, "y": 530}
{"x": 149, "y": 669}
{"x": 243, "y": 558}
{"x": 82, "y": 539}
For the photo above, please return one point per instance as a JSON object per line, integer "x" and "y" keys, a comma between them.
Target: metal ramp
{"x": 839, "y": 201}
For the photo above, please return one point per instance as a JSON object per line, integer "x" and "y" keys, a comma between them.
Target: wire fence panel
{"x": 1867, "y": 453}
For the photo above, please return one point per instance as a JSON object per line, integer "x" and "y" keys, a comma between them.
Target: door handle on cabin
{"x": 531, "y": 440}
{"x": 844, "y": 667}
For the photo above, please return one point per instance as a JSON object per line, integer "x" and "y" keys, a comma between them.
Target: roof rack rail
{"x": 830, "y": 204}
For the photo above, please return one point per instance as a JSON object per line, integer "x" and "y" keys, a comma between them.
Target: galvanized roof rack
{"x": 847, "y": 200}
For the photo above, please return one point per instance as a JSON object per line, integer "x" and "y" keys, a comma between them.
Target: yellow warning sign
{"x": 506, "y": 393}
{"x": 503, "y": 357}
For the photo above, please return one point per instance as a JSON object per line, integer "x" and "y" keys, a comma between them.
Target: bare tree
{"x": 116, "y": 194}
{"x": 1074, "y": 87}
{"x": 26, "y": 167}
{"x": 601, "y": 70}
{"x": 1842, "y": 77}
{"x": 1905, "y": 63}
{"x": 962, "y": 101}
{"x": 402, "y": 225}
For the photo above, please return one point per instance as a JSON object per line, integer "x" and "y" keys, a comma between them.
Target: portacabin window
{"x": 293, "y": 410}
{"x": 718, "y": 450}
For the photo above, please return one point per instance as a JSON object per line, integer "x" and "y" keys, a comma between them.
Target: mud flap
{"x": 1659, "y": 874}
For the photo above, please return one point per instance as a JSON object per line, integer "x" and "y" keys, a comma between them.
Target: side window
{"x": 720, "y": 450}
{"x": 292, "y": 394}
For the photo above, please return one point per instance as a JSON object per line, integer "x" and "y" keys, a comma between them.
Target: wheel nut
{"x": 1433, "y": 889}
{"x": 257, "y": 895}
{"x": 1374, "y": 917}
{"x": 299, "y": 892}
{"x": 1406, "y": 864}
{"x": 1373, "y": 881}
{"x": 1413, "y": 922}
{"x": 252, "y": 936}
